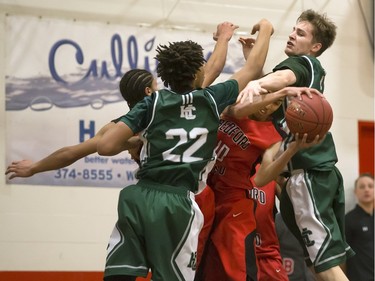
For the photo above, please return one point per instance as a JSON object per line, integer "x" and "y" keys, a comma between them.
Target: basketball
{"x": 312, "y": 116}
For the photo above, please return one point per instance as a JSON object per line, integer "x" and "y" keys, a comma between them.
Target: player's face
{"x": 365, "y": 190}
{"x": 301, "y": 40}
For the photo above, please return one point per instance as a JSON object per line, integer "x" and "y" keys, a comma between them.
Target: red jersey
{"x": 267, "y": 242}
{"x": 241, "y": 142}
{"x": 267, "y": 247}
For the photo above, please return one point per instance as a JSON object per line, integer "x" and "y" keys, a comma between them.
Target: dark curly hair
{"x": 132, "y": 85}
{"x": 178, "y": 63}
{"x": 324, "y": 29}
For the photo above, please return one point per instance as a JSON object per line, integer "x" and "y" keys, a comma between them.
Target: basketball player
{"x": 158, "y": 219}
{"x": 252, "y": 127}
{"x": 134, "y": 86}
{"x": 312, "y": 203}
{"x": 244, "y": 134}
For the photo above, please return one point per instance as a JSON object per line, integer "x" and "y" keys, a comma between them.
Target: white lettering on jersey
{"x": 187, "y": 108}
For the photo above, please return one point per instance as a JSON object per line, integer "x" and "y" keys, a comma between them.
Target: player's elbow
{"x": 106, "y": 149}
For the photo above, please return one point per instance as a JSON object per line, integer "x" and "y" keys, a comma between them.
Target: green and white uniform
{"x": 158, "y": 219}
{"x": 313, "y": 202}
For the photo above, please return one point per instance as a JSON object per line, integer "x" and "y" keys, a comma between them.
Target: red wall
{"x": 366, "y": 146}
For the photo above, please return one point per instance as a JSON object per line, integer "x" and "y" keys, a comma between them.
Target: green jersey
{"x": 179, "y": 133}
{"x": 309, "y": 73}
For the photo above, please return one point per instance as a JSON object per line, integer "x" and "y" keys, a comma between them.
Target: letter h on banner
{"x": 86, "y": 131}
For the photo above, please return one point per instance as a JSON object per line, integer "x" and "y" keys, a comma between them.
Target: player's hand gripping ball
{"x": 311, "y": 116}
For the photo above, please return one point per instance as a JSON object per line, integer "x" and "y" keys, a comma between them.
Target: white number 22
{"x": 200, "y": 134}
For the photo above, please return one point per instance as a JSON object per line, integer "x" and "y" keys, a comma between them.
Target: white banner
{"x": 62, "y": 86}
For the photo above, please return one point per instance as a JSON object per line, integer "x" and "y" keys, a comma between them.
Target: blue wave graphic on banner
{"x": 42, "y": 93}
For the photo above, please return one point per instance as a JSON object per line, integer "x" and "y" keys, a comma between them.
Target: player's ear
{"x": 316, "y": 47}
{"x": 148, "y": 91}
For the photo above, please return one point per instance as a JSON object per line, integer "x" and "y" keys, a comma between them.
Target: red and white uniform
{"x": 267, "y": 248}
{"x": 240, "y": 145}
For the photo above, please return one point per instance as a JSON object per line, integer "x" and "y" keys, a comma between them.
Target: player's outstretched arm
{"x": 216, "y": 61}
{"x": 271, "y": 167}
{"x": 60, "y": 158}
{"x": 240, "y": 110}
{"x": 271, "y": 82}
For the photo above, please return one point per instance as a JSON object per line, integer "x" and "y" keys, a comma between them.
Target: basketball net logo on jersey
{"x": 187, "y": 107}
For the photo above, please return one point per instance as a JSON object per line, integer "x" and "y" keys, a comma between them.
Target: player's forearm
{"x": 240, "y": 110}
{"x": 271, "y": 171}
{"x": 257, "y": 57}
{"x": 57, "y": 160}
{"x": 277, "y": 80}
{"x": 111, "y": 149}
{"x": 216, "y": 62}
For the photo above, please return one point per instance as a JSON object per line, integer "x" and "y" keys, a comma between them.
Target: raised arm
{"x": 247, "y": 45}
{"x": 216, "y": 61}
{"x": 255, "y": 61}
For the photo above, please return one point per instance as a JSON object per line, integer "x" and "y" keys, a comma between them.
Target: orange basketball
{"x": 312, "y": 116}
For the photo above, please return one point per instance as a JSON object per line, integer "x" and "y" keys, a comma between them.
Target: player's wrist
{"x": 266, "y": 25}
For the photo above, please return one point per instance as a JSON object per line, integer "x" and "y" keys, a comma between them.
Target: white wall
{"x": 53, "y": 228}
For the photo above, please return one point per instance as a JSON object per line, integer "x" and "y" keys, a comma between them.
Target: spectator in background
{"x": 292, "y": 253}
{"x": 359, "y": 231}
